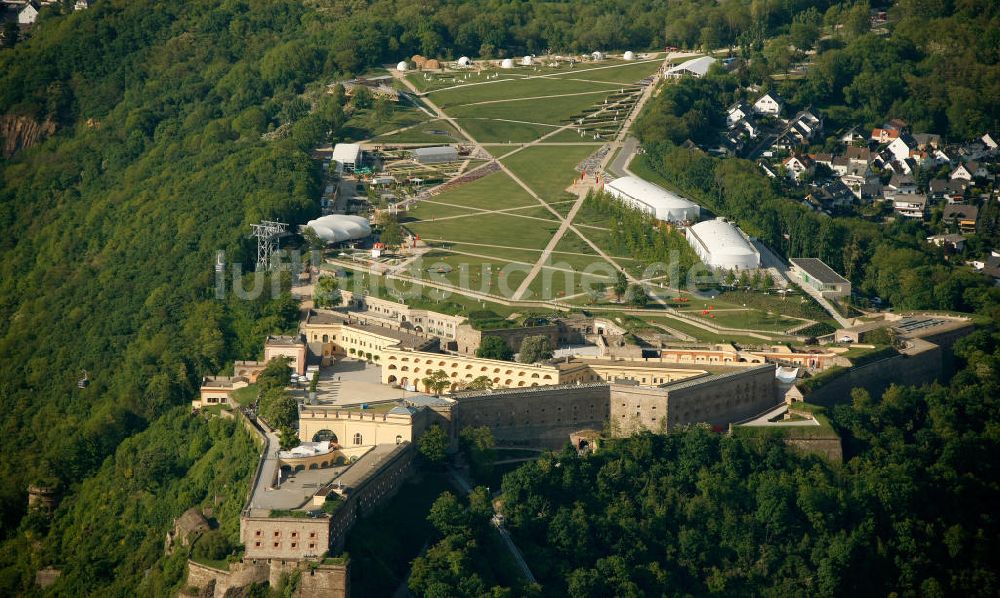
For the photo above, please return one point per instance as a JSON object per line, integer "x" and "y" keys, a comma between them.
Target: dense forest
{"x": 912, "y": 511}
{"x": 158, "y": 160}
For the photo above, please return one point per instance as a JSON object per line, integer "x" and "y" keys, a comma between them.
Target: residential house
{"x": 927, "y": 141}
{"x": 833, "y": 194}
{"x": 736, "y": 113}
{"x": 747, "y": 126}
{"x": 973, "y": 150}
{"x": 910, "y": 206}
{"x": 884, "y": 135}
{"x": 797, "y": 166}
{"x": 969, "y": 171}
{"x": 906, "y": 166}
{"x": 989, "y": 266}
{"x": 871, "y": 190}
{"x": 899, "y": 184}
{"x": 28, "y": 13}
{"x": 81, "y": 5}
{"x": 950, "y": 241}
{"x": 989, "y": 142}
{"x": 946, "y": 155}
{"x": 902, "y": 147}
{"x": 851, "y": 137}
{"x": 768, "y": 169}
{"x": 799, "y": 131}
{"x": 858, "y": 155}
{"x": 948, "y": 190}
{"x": 964, "y": 216}
{"x": 856, "y": 176}
{"x": 770, "y": 103}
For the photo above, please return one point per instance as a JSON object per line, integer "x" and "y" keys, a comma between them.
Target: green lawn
{"x": 498, "y": 131}
{"x": 529, "y": 256}
{"x": 753, "y": 319}
{"x": 705, "y": 335}
{"x": 515, "y": 89}
{"x": 492, "y": 192}
{"x": 496, "y": 229}
{"x": 553, "y": 111}
{"x": 428, "y": 132}
{"x": 620, "y": 71}
{"x": 548, "y": 170}
{"x": 363, "y": 124}
{"x": 573, "y": 136}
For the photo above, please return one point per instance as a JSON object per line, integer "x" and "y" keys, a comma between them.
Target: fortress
{"x": 353, "y": 456}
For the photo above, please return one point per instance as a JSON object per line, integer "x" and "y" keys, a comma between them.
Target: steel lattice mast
{"x": 267, "y": 234}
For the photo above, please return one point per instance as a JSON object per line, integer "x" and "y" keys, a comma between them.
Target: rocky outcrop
{"x": 17, "y": 132}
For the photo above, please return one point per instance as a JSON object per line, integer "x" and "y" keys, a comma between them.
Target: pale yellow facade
{"x": 407, "y": 368}
{"x": 356, "y": 428}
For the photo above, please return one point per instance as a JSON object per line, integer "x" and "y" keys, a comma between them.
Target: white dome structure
{"x": 464, "y": 61}
{"x": 722, "y": 245}
{"x": 597, "y": 55}
{"x": 630, "y": 55}
{"x": 507, "y": 63}
{"x": 528, "y": 61}
{"x": 402, "y": 66}
{"x": 337, "y": 228}
{"x": 656, "y": 200}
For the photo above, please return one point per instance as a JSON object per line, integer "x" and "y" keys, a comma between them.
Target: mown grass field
{"x": 549, "y": 169}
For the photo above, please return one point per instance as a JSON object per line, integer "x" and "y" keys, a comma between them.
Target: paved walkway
{"x": 515, "y": 552}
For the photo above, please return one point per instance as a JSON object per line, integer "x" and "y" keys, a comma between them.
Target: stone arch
{"x": 325, "y": 434}
{"x": 520, "y": 382}
{"x": 508, "y": 382}
{"x": 313, "y": 466}
{"x": 534, "y": 384}
{"x": 392, "y": 366}
{"x": 300, "y": 467}
{"x": 404, "y": 369}
{"x": 496, "y": 380}
{"x": 391, "y": 380}
{"x": 454, "y": 386}
{"x": 324, "y": 465}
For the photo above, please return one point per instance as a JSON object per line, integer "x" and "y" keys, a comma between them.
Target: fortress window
{"x": 295, "y": 544}
{"x": 357, "y": 438}
{"x": 276, "y": 534}
{"x": 258, "y": 533}
{"x": 257, "y": 544}
{"x": 312, "y": 545}
{"x": 277, "y": 544}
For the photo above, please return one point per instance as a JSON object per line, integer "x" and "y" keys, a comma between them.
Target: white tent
{"x": 721, "y": 244}
{"x": 507, "y": 63}
{"x": 337, "y": 228}
{"x": 464, "y": 61}
{"x": 528, "y": 61}
{"x": 656, "y": 200}
{"x": 597, "y": 55}
{"x": 402, "y": 66}
{"x": 630, "y": 55}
